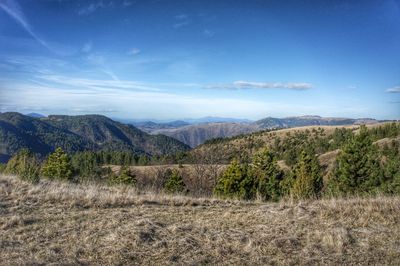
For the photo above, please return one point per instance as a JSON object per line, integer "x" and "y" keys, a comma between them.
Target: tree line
{"x": 361, "y": 167}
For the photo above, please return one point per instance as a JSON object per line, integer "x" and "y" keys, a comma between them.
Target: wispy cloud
{"x": 394, "y": 90}
{"x": 181, "y": 20}
{"x": 97, "y": 84}
{"x": 260, "y": 85}
{"x": 87, "y": 47}
{"x": 87, "y": 10}
{"x": 12, "y": 8}
{"x": 208, "y": 33}
{"x": 134, "y": 51}
{"x": 100, "y": 62}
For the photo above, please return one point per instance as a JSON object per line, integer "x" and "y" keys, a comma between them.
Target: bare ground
{"x": 58, "y": 223}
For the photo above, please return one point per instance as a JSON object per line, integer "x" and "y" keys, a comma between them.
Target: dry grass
{"x": 56, "y": 223}
{"x": 251, "y": 143}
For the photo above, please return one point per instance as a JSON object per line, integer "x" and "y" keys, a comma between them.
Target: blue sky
{"x": 180, "y": 59}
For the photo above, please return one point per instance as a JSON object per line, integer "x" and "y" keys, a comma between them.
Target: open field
{"x": 73, "y": 224}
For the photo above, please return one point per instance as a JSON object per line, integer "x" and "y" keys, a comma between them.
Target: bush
{"x": 308, "y": 181}
{"x": 25, "y": 165}
{"x": 174, "y": 183}
{"x": 357, "y": 169}
{"x": 267, "y": 175}
{"x": 2, "y": 167}
{"x": 57, "y": 166}
{"x": 235, "y": 182}
{"x": 125, "y": 177}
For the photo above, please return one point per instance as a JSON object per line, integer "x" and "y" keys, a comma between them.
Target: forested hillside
{"x": 78, "y": 133}
{"x": 197, "y": 133}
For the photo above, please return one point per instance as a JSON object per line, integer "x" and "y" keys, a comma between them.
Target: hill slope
{"x": 78, "y": 133}
{"x": 244, "y": 146}
{"x": 196, "y": 134}
{"x": 83, "y": 225}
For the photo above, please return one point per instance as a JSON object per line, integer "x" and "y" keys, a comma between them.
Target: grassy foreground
{"x": 74, "y": 224}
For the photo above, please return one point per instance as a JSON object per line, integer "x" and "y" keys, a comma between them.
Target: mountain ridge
{"x": 196, "y": 134}
{"x": 78, "y": 133}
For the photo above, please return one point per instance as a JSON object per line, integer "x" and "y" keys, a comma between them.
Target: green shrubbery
{"x": 57, "y": 166}
{"x": 307, "y": 177}
{"x": 361, "y": 167}
{"x": 24, "y": 164}
{"x": 235, "y": 182}
{"x": 264, "y": 180}
{"x": 125, "y": 177}
{"x": 358, "y": 169}
{"x": 174, "y": 183}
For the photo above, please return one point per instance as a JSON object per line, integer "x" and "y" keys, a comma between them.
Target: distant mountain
{"x": 36, "y": 115}
{"x": 299, "y": 121}
{"x": 78, "y": 133}
{"x": 149, "y": 126}
{"x": 213, "y": 119}
{"x": 194, "y": 135}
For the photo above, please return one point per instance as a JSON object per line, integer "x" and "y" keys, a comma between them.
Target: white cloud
{"x": 181, "y": 17}
{"x": 87, "y": 10}
{"x": 182, "y": 20}
{"x": 181, "y": 24}
{"x": 96, "y": 85}
{"x": 134, "y": 51}
{"x": 394, "y": 90}
{"x": 260, "y": 85}
{"x": 208, "y": 33}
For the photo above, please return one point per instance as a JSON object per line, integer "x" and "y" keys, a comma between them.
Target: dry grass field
{"x": 59, "y": 223}
{"x": 251, "y": 143}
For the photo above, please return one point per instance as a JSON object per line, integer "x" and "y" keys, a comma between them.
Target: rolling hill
{"x": 78, "y": 133}
{"x": 194, "y": 135}
{"x": 198, "y": 133}
{"x": 246, "y": 145}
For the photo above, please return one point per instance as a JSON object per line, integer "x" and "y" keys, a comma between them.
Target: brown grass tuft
{"x": 53, "y": 223}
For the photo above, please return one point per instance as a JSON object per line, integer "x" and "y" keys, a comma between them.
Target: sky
{"x": 189, "y": 59}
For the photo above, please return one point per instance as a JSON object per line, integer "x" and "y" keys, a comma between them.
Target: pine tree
{"x": 57, "y": 166}
{"x": 25, "y": 165}
{"x": 174, "y": 183}
{"x": 357, "y": 166}
{"x": 307, "y": 178}
{"x": 236, "y": 182}
{"x": 267, "y": 175}
{"x": 125, "y": 177}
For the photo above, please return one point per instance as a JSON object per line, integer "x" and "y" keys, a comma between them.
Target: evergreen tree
{"x": 235, "y": 182}
{"x": 357, "y": 166}
{"x": 57, "y": 166}
{"x": 267, "y": 175}
{"x": 125, "y": 177}
{"x": 25, "y": 165}
{"x": 307, "y": 178}
{"x": 174, "y": 183}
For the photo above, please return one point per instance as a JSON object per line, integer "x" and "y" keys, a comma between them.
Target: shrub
{"x": 25, "y": 165}
{"x": 267, "y": 175}
{"x": 235, "y": 182}
{"x": 307, "y": 178}
{"x": 125, "y": 177}
{"x": 57, "y": 166}
{"x": 2, "y": 167}
{"x": 357, "y": 167}
{"x": 174, "y": 183}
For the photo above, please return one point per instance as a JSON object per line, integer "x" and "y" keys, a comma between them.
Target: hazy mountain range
{"x": 196, "y": 134}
